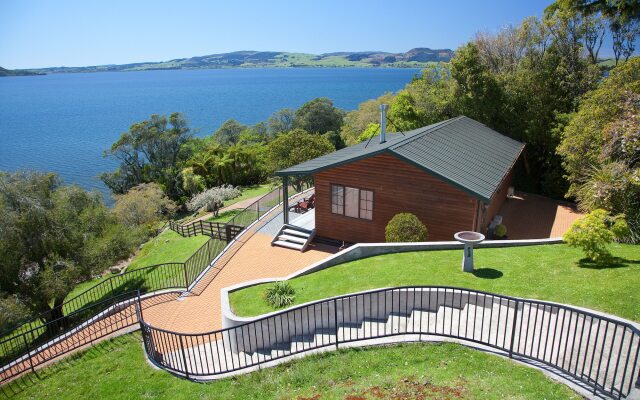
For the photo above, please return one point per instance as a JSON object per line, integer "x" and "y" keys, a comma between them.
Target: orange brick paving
{"x": 529, "y": 216}
{"x": 257, "y": 259}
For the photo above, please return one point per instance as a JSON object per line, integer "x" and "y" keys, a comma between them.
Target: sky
{"x": 46, "y": 33}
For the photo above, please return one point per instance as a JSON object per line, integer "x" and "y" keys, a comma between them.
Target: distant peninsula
{"x": 414, "y": 58}
{"x": 18, "y": 72}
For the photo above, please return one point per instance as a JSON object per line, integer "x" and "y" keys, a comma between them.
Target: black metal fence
{"x": 217, "y": 230}
{"x": 31, "y": 348}
{"x": 599, "y": 352}
{"x": 63, "y": 321}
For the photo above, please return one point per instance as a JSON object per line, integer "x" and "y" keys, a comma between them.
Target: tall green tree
{"x": 52, "y": 237}
{"x": 229, "y": 132}
{"x": 295, "y": 147}
{"x": 150, "y": 152}
{"x": 318, "y": 116}
{"x": 601, "y": 147}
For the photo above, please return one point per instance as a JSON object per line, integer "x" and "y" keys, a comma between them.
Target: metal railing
{"x": 36, "y": 340}
{"x": 599, "y": 352}
{"x": 65, "y": 334}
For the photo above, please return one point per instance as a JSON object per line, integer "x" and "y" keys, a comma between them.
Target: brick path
{"x": 201, "y": 311}
{"x": 529, "y": 216}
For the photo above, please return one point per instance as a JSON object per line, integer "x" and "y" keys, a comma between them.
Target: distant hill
{"x": 414, "y": 58}
{"x": 9, "y": 72}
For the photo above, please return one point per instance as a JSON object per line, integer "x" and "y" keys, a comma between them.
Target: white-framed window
{"x": 352, "y": 202}
{"x": 337, "y": 199}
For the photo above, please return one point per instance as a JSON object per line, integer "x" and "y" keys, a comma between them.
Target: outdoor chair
{"x": 305, "y": 204}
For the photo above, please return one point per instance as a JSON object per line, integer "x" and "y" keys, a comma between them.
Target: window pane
{"x": 351, "y": 202}
{"x": 337, "y": 199}
{"x": 366, "y": 204}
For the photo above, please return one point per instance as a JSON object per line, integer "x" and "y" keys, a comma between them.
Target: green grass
{"x": 225, "y": 216}
{"x": 249, "y": 192}
{"x": 117, "y": 369}
{"x": 552, "y": 272}
{"x": 168, "y": 246}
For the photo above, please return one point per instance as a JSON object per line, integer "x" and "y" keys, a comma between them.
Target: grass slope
{"x": 552, "y": 272}
{"x": 117, "y": 370}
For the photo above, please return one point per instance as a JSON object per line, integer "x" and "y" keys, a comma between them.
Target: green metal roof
{"x": 460, "y": 151}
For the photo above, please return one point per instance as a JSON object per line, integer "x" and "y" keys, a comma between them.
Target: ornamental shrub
{"x": 405, "y": 227}
{"x": 280, "y": 295}
{"x": 594, "y": 232}
{"x": 500, "y": 231}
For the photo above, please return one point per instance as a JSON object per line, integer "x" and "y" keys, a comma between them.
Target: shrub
{"x": 213, "y": 199}
{"x": 145, "y": 204}
{"x": 594, "y": 232}
{"x": 500, "y": 231}
{"x": 405, "y": 227}
{"x": 280, "y": 295}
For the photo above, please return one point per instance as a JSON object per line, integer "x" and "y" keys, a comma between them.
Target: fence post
{"x": 184, "y": 358}
{"x": 24, "y": 336}
{"x": 335, "y": 320}
{"x": 111, "y": 284}
{"x": 186, "y": 276}
{"x": 513, "y": 329}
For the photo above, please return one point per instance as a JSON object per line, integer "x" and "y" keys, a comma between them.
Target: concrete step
{"x": 294, "y": 239}
{"x": 289, "y": 245}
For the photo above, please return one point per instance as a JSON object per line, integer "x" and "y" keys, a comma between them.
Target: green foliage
{"x": 500, "y": 230}
{"x": 213, "y": 199}
{"x": 295, "y": 147}
{"x": 12, "y": 312}
{"x": 405, "y": 227}
{"x": 144, "y": 204}
{"x": 279, "y": 295}
{"x": 318, "y": 116}
{"x": 280, "y": 121}
{"x": 594, "y": 232}
{"x": 53, "y": 237}
{"x": 229, "y": 132}
{"x": 600, "y": 147}
{"x": 150, "y": 152}
{"x": 357, "y": 121}
{"x": 404, "y": 114}
{"x": 372, "y": 130}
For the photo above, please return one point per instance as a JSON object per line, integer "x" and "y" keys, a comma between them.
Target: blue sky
{"x": 44, "y": 33}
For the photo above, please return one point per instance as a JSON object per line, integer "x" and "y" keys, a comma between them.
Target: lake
{"x": 64, "y": 122}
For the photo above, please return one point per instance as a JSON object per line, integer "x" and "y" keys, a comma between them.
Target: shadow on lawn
{"x": 487, "y": 273}
{"x": 613, "y": 262}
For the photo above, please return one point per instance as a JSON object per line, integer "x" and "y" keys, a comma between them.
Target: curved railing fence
{"x": 599, "y": 352}
{"x": 32, "y": 338}
{"x": 101, "y": 309}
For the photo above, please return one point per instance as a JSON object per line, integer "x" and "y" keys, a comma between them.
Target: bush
{"x": 594, "y": 232}
{"x": 280, "y": 295}
{"x": 145, "y": 204}
{"x": 500, "y": 231}
{"x": 213, "y": 199}
{"x": 405, "y": 227}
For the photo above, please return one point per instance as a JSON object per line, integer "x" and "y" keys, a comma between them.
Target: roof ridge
{"x": 427, "y": 129}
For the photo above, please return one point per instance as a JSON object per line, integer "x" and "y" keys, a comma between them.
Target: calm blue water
{"x": 63, "y": 123}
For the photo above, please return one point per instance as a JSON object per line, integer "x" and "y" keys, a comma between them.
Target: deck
{"x": 530, "y": 216}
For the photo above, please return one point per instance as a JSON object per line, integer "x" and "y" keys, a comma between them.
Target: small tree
{"x": 145, "y": 204}
{"x": 594, "y": 232}
{"x": 213, "y": 199}
{"x": 405, "y": 227}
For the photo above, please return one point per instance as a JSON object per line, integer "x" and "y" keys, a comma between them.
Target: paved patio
{"x": 201, "y": 311}
{"x": 530, "y": 216}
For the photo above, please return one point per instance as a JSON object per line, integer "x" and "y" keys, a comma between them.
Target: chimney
{"x": 383, "y": 123}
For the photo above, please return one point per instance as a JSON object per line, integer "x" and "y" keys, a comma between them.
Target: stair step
{"x": 293, "y": 232}
{"x": 295, "y": 239}
{"x": 289, "y": 245}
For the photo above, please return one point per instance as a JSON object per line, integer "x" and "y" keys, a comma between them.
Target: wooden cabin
{"x": 453, "y": 175}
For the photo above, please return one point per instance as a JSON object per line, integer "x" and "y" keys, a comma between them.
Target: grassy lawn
{"x": 225, "y": 216}
{"x": 166, "y": 247}
{"x": 116, "y": 369}
{"x": 552, "y": 272}
{"x": 249, "y": 192}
